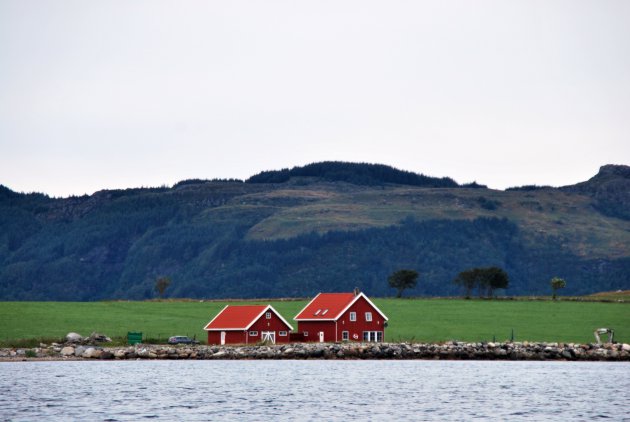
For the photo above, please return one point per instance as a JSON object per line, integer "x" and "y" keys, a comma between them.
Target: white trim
{"x": 268, "y": 336}
{"x": 351, "y": 315}
{"x": 368, "y": 301}
{"x": 212, "y": 320}
{"x": 304, "y": 308}
{"x": 340, "y": 313}
{"x": 246, "y": 328}
{"x": 280, "y": 316}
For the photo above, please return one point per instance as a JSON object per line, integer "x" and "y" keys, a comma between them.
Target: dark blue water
{"x": 313, "y": 390}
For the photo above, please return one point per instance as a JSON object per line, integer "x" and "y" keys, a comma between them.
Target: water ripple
{"x": 313, "y": 390}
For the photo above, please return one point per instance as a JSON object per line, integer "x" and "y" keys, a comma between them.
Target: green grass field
{"x": 419, "y": 320}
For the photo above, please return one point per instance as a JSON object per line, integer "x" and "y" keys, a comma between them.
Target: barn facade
{"x": 336, "y": 317}
{"x": 248, "y": 324}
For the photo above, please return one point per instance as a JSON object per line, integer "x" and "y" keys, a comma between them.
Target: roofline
{"x": 314, "y": 319}
{"x": 246, "y": 328}
{"x": 340, "y": 313}
{"x": 368, "y": 300}
{"x": 304, "y": 308}
{"x": 216, "y": 316}
{"x": 263, "y": 312}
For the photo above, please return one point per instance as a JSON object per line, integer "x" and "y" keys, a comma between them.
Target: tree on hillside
{"x": 468, "y": 280}
{"x": 557, "y": 283}
{"x": 487, "y": 280}
{"x": 403, "y": 279}
{"x": 496, "y": 278}
{"x": 161, "y": 285}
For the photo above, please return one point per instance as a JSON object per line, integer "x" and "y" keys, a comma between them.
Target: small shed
{"x": 248, "y": 324}
{"x": 334, "y": 317}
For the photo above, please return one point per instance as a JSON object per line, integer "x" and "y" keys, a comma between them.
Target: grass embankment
{"x": 419, "y": 320}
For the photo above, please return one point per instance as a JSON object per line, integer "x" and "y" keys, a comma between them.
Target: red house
{"x": 341, "y": 317}
{"x": 248, "y": 324}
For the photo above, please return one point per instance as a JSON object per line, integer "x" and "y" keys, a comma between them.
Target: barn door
{"x": 321, "y": 336}
{"x": 222, "y": 338}
{"x": 269, "y": 336}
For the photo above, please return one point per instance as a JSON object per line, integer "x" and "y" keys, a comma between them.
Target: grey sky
{"x": 113, "y": 94}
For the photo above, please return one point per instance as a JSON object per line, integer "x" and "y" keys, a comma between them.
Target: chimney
{"x": 356, "y": 291}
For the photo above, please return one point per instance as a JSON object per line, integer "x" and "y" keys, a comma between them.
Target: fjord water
{"x": 313, "y": 390}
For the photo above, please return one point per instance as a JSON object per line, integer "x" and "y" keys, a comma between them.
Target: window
{"x": 325, "y": 312}
{"x": 368, "y": 316}
{"x": 353, "y": 316}
{"x": 317, "y": 312}
{"x": 345, "y": 335}
{"x": 282, "y": 333}
{"x": 373, "y": 336}
{"x": 268, "y": 315}
{"x": 253, "y": 333}
{"x": 305, "y": 333}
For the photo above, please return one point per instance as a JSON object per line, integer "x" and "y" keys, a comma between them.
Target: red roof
{"x": 240, "y": 317}
{"x": 326, "y": 306}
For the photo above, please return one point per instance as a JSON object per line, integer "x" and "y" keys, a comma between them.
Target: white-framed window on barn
{"x": 253, "y": 333}
{"x": 353, "y": 316}
{"x": 345, "y": 336}
{"x": 305, "y": 333}
{"x": 368, "y": 316}
{"x": 282, "y": 333}
{"x": 268, "y": 315}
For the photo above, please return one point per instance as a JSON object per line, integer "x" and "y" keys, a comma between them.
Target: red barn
{"x": 341, "y": 317}
{"x": 248, "y": 324}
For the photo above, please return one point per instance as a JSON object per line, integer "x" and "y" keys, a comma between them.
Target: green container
{"x": 134, "y": 338}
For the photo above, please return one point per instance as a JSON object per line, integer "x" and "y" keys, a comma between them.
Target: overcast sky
{"x": 114, "y": 94}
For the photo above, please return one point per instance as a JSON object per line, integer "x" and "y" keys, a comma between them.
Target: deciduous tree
{"x": 161, "y": 284}
{"x": 403, "y": 279}
{"x": 557, "y": 283}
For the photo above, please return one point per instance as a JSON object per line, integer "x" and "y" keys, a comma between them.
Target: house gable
{"x": 241, "y": 318}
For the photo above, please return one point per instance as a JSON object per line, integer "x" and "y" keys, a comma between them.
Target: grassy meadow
{"x": 418, "y": 320}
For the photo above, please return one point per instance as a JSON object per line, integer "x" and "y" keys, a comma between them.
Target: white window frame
{"x": 345, "y": 335}
{"x": 373, "y": 336}
{"x": 305, "y": 333}
{"x": 253, "y": 333}
{"x": 268, "y": 315}
{"x": 282, "y": 333}
{"x": 368, "y": 316}
{"x": 353, "y": 316}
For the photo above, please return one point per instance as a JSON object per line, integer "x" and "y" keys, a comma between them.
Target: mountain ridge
{"x": 315, "y": 230}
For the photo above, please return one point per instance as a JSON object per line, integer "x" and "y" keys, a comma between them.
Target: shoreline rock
{"x": 517, "y": 351}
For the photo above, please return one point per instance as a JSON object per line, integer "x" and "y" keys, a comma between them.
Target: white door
{"x": 222, "y": 338}
{"x": 269, "y": 336}
{"x": 321, "y": 336}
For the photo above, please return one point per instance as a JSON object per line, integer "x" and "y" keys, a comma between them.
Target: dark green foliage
{"x": 402, "y": 279}
{"x": 557, "y": 283}
{"x": 487, "y": 280}
{"x": 161, "y": 284}
{"x": 474, "y": 185}
{"x": 356, "y": 173}
{"x": 488, "y": 204}
{"x": 529, "y": 188}
{"x": 115, "y": 244}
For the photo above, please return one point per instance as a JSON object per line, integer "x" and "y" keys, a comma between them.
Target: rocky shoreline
{"x": 342, "y": 351}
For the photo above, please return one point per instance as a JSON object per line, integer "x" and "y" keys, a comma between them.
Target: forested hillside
{"x": 326, "y": 226}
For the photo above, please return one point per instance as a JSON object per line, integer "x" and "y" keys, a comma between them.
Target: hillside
{"x": 326, "y": 226}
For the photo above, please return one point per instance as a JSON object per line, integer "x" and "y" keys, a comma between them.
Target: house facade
{"x": 336, "y": 317}
{"x": 249, "y": 324}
